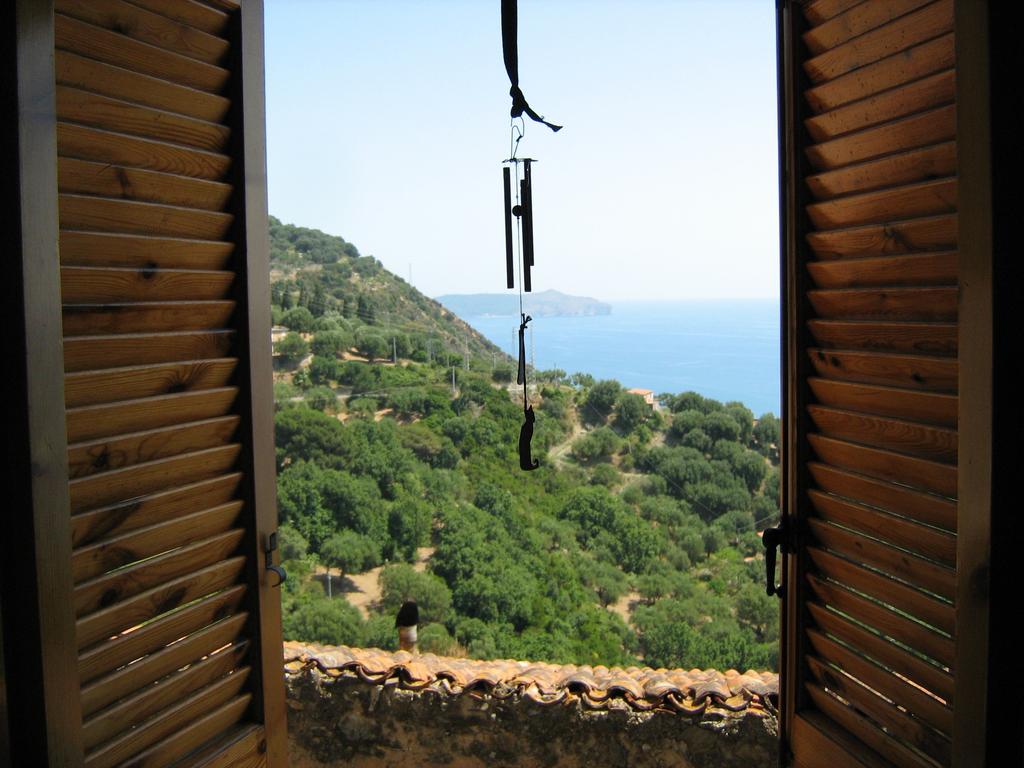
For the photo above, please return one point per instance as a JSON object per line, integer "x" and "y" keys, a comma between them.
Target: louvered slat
{"x": 139, "y": 512}
{"x": 879, "y": 398}
{"x": 105, "y": 249}
{"x": 132, "y": 415}
{"x": 96, "y": 594}
{"x": 135, "y": 709}
{"x": 933, "y": 374}
{"x": 116, "y": 284}
{"x": 109, "y": 554}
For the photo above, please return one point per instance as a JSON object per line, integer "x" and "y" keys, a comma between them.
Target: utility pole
{"x": 394, "y": 351}
{"x": 453, "y": 381}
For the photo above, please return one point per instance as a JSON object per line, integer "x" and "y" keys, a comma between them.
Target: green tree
{"x": 630, "y": 412}
{"x": 330, "y": 343}
{"x": 321, "y": 398}
{"x": 298, "y": 319}
{"x": 766, "y": 437}
{"x": 601, "y": 398}
{"x": 372, "y": 345}
{"x": 402, "y": 582}
{"x": 330, "y": 621}
{"x": 292, "y": 347}
{"x": 350, "y": 552}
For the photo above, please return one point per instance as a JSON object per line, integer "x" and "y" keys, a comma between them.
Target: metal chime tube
{"x": 528, "y": 213}
{"x": 510, "y": 266}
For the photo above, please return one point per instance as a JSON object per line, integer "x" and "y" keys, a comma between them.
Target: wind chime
{"x": 522, "y": 211}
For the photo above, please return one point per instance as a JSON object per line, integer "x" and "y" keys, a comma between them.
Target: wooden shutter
{"x": 870, "y": 140}
{"x": 163, "y": 273}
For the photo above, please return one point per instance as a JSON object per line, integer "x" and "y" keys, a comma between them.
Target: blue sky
{"x": 387, "y": 121}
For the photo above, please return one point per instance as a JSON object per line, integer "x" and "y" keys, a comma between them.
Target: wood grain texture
{"x": 103, "y": 591}
{"x": 935, "y": 680}
{"x": 101, "y": 387}
{"x": 915, "y": 165}
{"x": 197, "y": 640}
{"x": 927, "y": 198}
{"x": 899, "y": 726}
{"x": 197, "y": 733}
{"x": 75, "y": 105}
{"x": 896, "y": 721}
{"x": 102, "y": 285}
{"x": 935, "y": 233}
{"x": 906, "y": 437}
{"x": 927, "y": 542}
{"x": 875, "y": 335}
{"x": 99, "y": 421}
{"x": 919, "y": 269}
{"x": 137, "y": 23}
{"x": 910, "y": 633}
{"x": 176, "y": 717}
{"x": 916, "y": 571}
{"x": 916, "y": 96}
{"x": 109, "y": 554}
{"x": 860, "y": 732}
{"x": 854, "y": 22}
{"x": 152, "y": 509}
{"x": 135, "y": 448}
{"x": 913, "y": 405}
{"x": 818, "y": 742}
{"x": 927, "y": 609}
{"x": 909, "y": 65}
{"x": 106, "y": 180}
{"x": 886, "y": 40}
{"x": 195, "y": 14}
{"x": 88, "y": 143}
{"x": 928, "y": 708}
{"x": 923, "y": 507}
{"x": 918, "y": 130}
{"x": 240, "y": 747}
{"x": 83, "y": 353}
{"x": 135, "y": 709}
{"x": 133, "y": 217}
{"x": 103, "y": 249}
{"x": 897, "y": 303}
{"x": 912, "y": 471}
{"x": 114, "y": 48}
{"x": 138, "y": 88}
{"x": 146, "y": 317}
{"x": 154, "y": 602}
{"x": 118, "y": 485}
{"x": 819, "y": 11}
{"x": 933, "y": 374}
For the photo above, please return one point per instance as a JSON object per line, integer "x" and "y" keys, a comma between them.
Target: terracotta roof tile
{"x": 687, "y": 692}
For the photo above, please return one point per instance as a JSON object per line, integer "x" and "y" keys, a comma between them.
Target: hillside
{"x": 636, "y": 539}
{"x": 539, "y": 304}
{"x": 329, "y": 277}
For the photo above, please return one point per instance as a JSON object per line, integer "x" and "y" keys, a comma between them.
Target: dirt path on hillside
{"x": 624, "y": 606}
{"x": 558, "y": 452}
{"x": 363, "y": 589}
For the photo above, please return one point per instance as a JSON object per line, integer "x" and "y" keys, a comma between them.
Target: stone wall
{"x": 347, "y": 715}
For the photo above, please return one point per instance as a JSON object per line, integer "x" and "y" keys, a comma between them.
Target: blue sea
{"x": 725, "y": 349}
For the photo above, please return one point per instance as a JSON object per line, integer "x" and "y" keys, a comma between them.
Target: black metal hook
{"x": 282, "y": 575}
{"x": 774, "y": 539}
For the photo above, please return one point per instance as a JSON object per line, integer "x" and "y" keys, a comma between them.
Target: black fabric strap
{"x": 510, "y": 49}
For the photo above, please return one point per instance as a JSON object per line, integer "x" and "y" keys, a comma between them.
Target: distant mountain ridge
{"x": 542, "y": 304}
